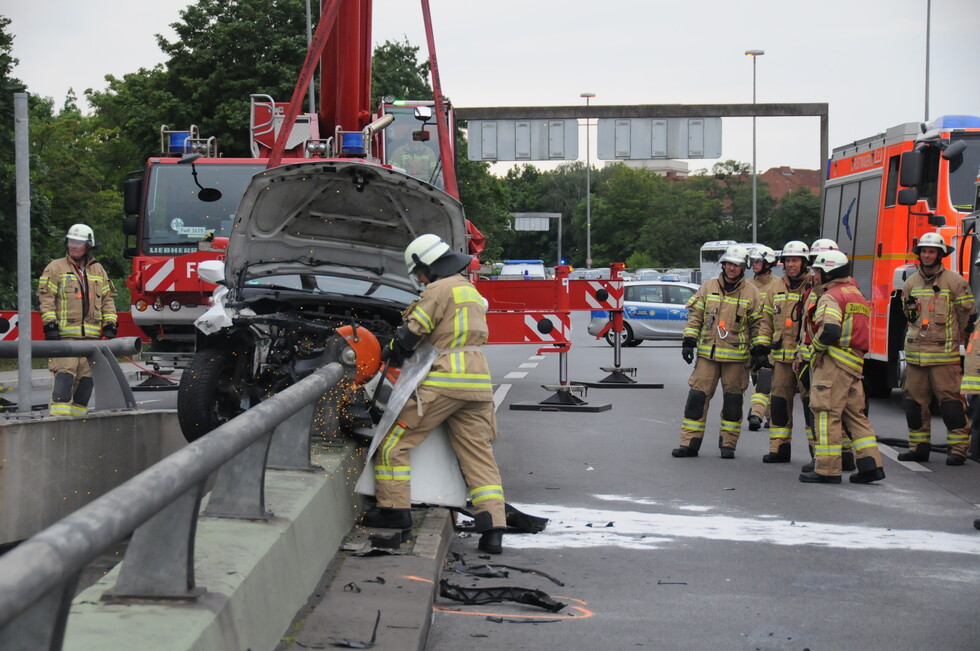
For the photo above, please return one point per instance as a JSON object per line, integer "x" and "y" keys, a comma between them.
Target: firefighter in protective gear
{"x": 839, "y": 329}
{"x": 970, "y": 388}
{"x": 725, "y": 327}
{"x": 787, "y": 305}
{"x": 457, "y": 391}
{"x": 763, "y": 259}
{"x": 810, "y": 296}
{"x": 941, "y": 312}
{"x": 75, "y": 297}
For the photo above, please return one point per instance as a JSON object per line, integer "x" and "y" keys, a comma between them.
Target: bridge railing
{"x": 160, "y": 508}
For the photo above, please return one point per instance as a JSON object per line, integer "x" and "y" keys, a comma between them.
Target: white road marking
{"x": 575, "y": 527}
{"x": 537, "y": 357}
{"x": 500, "y": 394}
{"x": 516, "y": 375}
{"x": 892, "y": 454}
{"x": 529, "y": 365}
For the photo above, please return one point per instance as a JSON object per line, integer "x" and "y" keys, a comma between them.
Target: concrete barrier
{"x": 50, "y": 467}
{"x": 256, "y": 575}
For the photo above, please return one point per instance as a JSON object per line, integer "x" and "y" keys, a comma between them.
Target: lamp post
{"x": 755, "y": 54}
{"x": 588, "y": 187}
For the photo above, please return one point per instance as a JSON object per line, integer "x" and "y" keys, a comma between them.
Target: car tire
{"x": 208, "y": 394}
{"x": 626, "y": 337}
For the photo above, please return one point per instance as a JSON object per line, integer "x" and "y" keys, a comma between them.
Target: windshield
{"x": 417, "y": 157}
{"x": 335, "y": 285}
{"x": 963, "y": 172}
{"x": 177, "y": 219}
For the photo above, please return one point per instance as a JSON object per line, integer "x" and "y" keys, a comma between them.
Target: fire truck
{"x": 180, "y": 208}
{"x": 882, "y": 193}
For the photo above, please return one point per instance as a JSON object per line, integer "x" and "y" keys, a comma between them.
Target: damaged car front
{"x": 316, "y": 253}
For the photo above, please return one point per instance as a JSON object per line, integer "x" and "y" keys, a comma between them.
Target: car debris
{"x": 479, "y": 596}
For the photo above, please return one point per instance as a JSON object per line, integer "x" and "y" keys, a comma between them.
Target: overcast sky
{"x": 865, "y": 58}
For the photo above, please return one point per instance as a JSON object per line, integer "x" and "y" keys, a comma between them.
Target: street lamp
{"x": 755, "y": 54}
{"x": 588, "y": 187}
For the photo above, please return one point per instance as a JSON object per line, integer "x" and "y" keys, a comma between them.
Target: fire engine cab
{"x": 882, "y": 193}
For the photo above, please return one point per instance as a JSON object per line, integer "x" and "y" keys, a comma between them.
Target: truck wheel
{"x": 625, "y": 337}
{"x": 209, "y": 394}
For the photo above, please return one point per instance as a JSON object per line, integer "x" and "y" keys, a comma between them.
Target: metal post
{"x": 588, "y": 186}
{"x": 23, "y": 184}
{"x": 559, "y": 262}
{"x": 928, "y": 31}
{"x": 755, "y": 54}
{"x": 309, "y": 43}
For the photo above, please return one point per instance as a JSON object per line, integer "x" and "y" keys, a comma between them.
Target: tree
{"x": 796, "y": 217}
{"x": 396, "y": 72}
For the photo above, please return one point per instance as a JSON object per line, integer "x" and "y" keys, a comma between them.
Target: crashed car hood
{"x": 333, "y": 213}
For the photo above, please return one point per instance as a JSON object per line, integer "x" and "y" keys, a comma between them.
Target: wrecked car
{"x": 315, "y": 248}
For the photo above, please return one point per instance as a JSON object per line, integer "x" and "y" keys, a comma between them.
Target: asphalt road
{"x": 705, "y": 553}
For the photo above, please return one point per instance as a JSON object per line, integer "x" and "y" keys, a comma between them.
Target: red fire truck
{"x": 180, "y": 209}
{"x": 882, "y": 193}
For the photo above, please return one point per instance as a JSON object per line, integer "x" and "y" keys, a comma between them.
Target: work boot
{"x": 847, "y": 461}
{"x": 920, "y": 453}
{"x": 755, "y": 423}
{"x": 727, "y": 452}
{"x": 782, "y": 455}
{"x": 383, "y": 518}
{"x": 491, "y": 541}
{"x": 684, "y": 451}
{"x": 817, "y": 478}
{"x": 867, "y": 472}
{"x": 808, "y": 467}
{"x": 954, "y": 459}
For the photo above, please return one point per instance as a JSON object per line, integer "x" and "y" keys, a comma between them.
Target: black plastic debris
{"x": 517, "y": 521}
{"x": 386, "y": 540}
{"x": 352, "y": 587}
{"x": 479, "y": 596}
{"x": 344, "y": 643}
{"x": 516, "y": 620}
{"x": 491, "y": 571}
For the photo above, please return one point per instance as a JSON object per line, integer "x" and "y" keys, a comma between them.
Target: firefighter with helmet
{"x": 810, "y": 297}
{"x": 75, "y": 298}
{"x": 451, "y": 315}
{"x": 725, "y": 327}
{"x": 941, "y": 313}
{"x": 763, "y": 259}
{"x": 839, "y": 329}
{"x": 787, "y": 312}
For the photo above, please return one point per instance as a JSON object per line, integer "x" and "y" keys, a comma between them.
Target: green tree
{"x": 396, "y": 72}
{"x": 796, "y": 217}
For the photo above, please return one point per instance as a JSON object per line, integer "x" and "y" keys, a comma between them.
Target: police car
{"x": 652, "y": 310}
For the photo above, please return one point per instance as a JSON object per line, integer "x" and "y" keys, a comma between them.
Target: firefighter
{"x": 75, "y": 297}
{"x": 725, "y": 326}
{"x": 451, "y": 315}
{"x": 762, "y": 258}
{"x": 839, "y": 329}
{"x": 941, "y": 312}
{"x": 787, "y": 312}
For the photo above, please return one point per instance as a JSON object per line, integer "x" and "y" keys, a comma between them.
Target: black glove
{"x": 394, "y": 354}
{"x": 777, "y": 344}
{"x": 109, "y": 331}
{"x": 687, "y": 349}
{"x": 971, "y": 324}
{"x": 51, "y": 332}
{"x": 760, "y": 357}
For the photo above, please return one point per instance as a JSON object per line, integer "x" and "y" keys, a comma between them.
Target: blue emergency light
{"x": 178, "y": 143}
{"x": 352, "y": 143}
{"x": 956, "y": 122}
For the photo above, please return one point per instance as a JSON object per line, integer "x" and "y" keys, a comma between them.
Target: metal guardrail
{"x": 112, "y": 389}
{"x": 160, "y": 507}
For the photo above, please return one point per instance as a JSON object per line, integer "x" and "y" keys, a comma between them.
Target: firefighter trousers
{"x": 785, "y": 386}
{"x": 72, "y": 387}
{"x": 760, "y": 403}
{"x": 734, "y": 377}
{"x": 837, "y": 402}
{"x": 471, "y": 426}
{"x": 943, "y": 382}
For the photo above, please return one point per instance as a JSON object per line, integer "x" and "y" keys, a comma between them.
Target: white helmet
{"x": 833, "y": 264}
{"x": 736, "y": 254}
{"x": 81, "y": 233}
{"x": 764, "y": 253}
{"x": 432, "y": 251}
{"x": 934, "y": 240}
{"x": 796, "y": 249}
{"x": 821, "y": 245}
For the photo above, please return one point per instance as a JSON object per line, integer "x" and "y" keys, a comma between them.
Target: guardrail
{"x": 160, "y": 507}
{"x": 112, "y": 389}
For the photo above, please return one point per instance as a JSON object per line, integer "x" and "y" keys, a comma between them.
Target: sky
{"x": 865, "y": 58}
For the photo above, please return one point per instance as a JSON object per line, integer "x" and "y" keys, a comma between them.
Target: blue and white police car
{"x": 652, "y": 310}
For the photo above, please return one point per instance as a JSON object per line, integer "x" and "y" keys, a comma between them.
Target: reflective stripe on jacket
{"x": 727, "y": 325}
{"x": 842, "y": 304}
{"x": 787, "y": 315}
{"x": 79, "y": 300}
{"x": 453, "y": 315}
{"x": 942, "y": 303}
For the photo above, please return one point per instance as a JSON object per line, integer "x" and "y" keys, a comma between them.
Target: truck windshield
{"x": 177, "y": 219}
{"x": 963, "y": 173}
